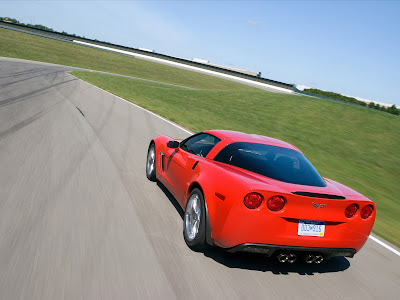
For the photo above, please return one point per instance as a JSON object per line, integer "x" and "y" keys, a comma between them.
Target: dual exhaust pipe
{"x": 314, "y": 259}
{"x": 291, "y": 258}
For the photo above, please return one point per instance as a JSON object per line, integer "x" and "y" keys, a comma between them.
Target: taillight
{"x": 351, "y": 210}
{"x": 276, "y": 203}
{"x": 366, "y": 211}
{"x": 253, "y": 200}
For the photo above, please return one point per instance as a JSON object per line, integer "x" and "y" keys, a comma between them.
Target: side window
{"x": 200, "y": 144}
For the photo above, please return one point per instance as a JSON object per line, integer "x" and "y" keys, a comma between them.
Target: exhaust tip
{"x": 282, "y": 257}
{"x": 292, "y": 258}
{"x": 310, "y": 259}
{"x": 319, "y": 259}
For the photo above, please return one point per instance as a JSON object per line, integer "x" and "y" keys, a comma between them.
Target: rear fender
{"x": 192, "y": 186}
{"x": 212, "y": 180}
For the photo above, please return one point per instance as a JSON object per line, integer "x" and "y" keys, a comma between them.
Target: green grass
{"x": 21, "y": 45}
{"x": 356, "y": 146}
{"x": 353, "y": 145}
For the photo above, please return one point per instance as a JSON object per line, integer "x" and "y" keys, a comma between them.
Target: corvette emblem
{"x": 318, "y": 206}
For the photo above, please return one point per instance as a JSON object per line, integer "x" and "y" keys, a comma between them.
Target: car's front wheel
{"x": 151, "y": 163}
{"x": 194, "y": 224}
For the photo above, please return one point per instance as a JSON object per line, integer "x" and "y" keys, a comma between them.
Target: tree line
{"x": 392, "y": 109}
{"x": 37, "y": 26}
{"x": 15, "y": 21}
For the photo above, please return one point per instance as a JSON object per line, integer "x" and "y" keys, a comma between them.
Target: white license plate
{"x": 311, "y": 228}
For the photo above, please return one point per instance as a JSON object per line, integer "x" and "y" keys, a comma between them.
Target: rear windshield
{"x": 274, "y": 162}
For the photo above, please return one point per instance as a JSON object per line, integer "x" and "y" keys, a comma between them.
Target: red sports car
{"x": 246, "y": 192}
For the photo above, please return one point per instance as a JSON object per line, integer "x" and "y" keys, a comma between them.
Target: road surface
{"x": 79, "y": 219}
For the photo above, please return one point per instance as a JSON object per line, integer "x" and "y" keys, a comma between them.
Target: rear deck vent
{"x": 317, "y": 195}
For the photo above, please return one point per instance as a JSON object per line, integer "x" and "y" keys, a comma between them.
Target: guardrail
{"x": 69, "y": 38}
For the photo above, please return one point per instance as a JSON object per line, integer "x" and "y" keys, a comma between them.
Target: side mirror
{"x": 173, "y": 144}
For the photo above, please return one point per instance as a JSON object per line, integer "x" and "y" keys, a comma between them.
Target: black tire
{"x": 151, "y": 163}
{"x": 197, "y": 241}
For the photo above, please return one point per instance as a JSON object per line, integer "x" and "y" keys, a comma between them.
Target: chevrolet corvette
{"x": 246, "y": 192}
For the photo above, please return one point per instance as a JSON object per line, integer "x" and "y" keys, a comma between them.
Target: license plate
{"x": 311, "y": 228}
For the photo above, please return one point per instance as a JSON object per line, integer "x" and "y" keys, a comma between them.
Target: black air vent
{"x": 316, "y": 195}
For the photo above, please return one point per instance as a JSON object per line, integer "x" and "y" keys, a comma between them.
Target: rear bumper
{"x": 271, "y": 250}
{"x": 265, "y": 228}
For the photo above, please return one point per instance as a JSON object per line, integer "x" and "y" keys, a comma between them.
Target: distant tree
{"x": 42, "y": 27}
{"x": 371, "y": 104}
{"x": 377, "y": 106}
{"x": 15, "y": 21}
{"x": 393, "y": 110}
{"x": 336, "y": 96}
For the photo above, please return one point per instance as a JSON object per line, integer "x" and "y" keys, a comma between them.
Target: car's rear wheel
{"x": 194, "y": 221}
{"x": 151, "y": 163}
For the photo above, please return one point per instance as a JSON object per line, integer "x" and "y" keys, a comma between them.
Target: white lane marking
{"x": 187, "y": 131}
{"x": 384, "y": 245}
{"x": 150, "y": 112}
{"x": 186, "y": 66}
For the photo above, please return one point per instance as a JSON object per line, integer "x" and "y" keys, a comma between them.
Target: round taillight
{"x": 366, "y": 211}
{"x": 351, "y": 210}
{"x": 276, "y": 203}
{"x": 253, "y": 200}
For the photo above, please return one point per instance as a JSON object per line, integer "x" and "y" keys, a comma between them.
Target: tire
{"x": 194, "y": 221}
{"x": 151, "y": 163}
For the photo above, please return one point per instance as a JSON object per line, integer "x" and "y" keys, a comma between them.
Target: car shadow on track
{"x": 171, "y": 199}
{"x": 258, "y": 262}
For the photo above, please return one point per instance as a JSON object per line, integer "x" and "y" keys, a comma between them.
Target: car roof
{"x": 236, "y": 136}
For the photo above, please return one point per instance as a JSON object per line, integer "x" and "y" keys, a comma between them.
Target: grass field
{"x": 353, "y": 145}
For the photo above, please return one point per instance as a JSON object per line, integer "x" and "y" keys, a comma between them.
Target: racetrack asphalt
{"x": 80, "y": 220}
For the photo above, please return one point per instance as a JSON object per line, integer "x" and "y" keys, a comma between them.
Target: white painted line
{"x": 187, "y": 131}
{"x": 186, "y": 66}
{"x": 148, "y": 111}
{"x": 384, "y": 245}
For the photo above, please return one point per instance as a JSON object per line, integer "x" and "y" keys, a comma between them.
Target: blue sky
{"x": 349, "y": 47}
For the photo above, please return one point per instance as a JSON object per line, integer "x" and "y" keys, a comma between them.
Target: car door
{"x": 180, "y": 165}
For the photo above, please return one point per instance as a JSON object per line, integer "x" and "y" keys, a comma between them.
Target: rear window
{"x": 278, "y": 163}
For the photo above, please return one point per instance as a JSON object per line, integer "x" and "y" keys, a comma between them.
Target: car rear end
{"x": 298, "y": 222}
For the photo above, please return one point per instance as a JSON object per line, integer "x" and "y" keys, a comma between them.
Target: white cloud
{"x": 252, "y": 23}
